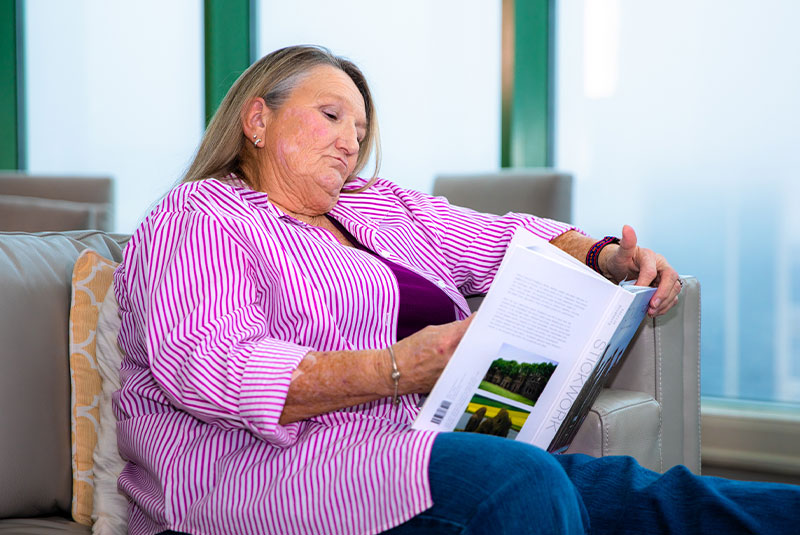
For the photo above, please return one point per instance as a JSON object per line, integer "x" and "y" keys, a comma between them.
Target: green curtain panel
{"x": 10, "y": 109}
{"x": 227, "y": 47}
{"x": 526, "y": 128}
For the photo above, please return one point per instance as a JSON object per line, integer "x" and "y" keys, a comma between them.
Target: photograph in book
{"x": 506, "y": 394}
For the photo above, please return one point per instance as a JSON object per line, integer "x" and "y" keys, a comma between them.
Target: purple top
{"x": 422, "y": 303}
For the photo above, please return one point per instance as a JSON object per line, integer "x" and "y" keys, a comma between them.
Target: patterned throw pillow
{"x": 91, "y": 279}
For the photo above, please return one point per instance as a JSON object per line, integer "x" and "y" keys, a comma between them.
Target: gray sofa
{"x": 651, "y": 410}
{"x": 35, "y": 458}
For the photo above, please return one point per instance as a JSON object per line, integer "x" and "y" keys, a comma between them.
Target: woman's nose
{"x": 348, "y": 140}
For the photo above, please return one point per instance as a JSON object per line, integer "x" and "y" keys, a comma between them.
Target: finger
{"x": 465, "y": 322}
{"x": 667, "y": 291}
{"x": 648, "y": 271}
{"x": 665, "y": 308}
{"x": 457, "y": 329}
{"x": 672, "y": 304}
{"x": 628, "y": 240}
{"x": 674, "y": 297}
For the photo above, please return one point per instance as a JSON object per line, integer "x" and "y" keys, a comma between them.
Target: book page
{"x": 534, "y": 243}
{"x": 529, "y": 331}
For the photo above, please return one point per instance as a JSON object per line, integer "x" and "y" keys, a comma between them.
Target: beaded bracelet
{"x": 593, "y": 255}
{"x": 395, "y": 376}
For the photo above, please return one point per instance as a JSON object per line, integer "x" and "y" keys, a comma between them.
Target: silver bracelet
{"x": 395, "y": 376}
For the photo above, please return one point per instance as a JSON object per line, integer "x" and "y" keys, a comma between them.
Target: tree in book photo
{"x": 492, "y": 417}
{"x": 521, "y": 382}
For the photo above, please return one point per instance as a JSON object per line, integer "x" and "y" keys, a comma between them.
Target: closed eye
{"x": 330, "y": 115}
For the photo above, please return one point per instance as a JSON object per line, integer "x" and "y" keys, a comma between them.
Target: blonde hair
{"x": 223, "y": 149}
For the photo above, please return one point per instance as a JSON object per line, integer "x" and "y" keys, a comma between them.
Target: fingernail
{"x": 656, "y": 302}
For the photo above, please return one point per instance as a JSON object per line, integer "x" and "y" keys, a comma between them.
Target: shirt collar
{"x": 342, "y": 210}
{"x": 259, "y": 199}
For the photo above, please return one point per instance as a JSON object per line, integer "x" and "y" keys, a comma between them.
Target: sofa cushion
{"x": 91, "y": 280}
{"x": 35, "y": 277}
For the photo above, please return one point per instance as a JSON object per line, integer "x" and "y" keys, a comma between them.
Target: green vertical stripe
{"x": 507, "y": 81}
{"x": 9, "y": 142}
{"x": 527, "y": 128}
{"x": 227, "y": 47}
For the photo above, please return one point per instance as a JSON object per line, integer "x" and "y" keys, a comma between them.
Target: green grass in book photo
{"x": 492, "y": 417}
{"x": 500, "y": 391}
{"x": 522, "y": 382}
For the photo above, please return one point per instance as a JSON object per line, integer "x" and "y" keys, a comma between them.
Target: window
{"x": 680, "y": 118}
{"x": 114, "y": 88}
{"x": 433, "y": 67}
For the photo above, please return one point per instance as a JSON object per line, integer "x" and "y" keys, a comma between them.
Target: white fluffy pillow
{"x": 110, "y": 512}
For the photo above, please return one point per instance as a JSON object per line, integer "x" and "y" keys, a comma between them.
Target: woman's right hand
{"x": 422, "y": 356}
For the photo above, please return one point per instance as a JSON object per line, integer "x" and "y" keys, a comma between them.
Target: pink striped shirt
{"x": 221, "y": 295}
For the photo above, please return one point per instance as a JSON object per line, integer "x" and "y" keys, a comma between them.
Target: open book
{"x": 539, "y": 351}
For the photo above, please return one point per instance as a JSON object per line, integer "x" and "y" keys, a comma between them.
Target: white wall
{"x": 114, "y": 88}
{"x": 433, "y": 67}
{"x": 681, "y": 118}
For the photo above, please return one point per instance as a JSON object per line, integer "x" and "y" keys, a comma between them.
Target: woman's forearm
{"x": 326, "y": 381}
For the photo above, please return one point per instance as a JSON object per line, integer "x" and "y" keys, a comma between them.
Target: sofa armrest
{"x": 663, "y": 361}
{"x": 662, "y": 365}
{"x": 622, "y": 422}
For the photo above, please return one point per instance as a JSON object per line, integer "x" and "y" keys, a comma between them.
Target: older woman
{"x": 265, "y": 304}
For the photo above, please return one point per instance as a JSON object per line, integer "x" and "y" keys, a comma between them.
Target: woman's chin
{"x": 332, "y": 184}
{"x": 326, "y": 200}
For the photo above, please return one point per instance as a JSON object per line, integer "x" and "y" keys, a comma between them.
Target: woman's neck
{"x": 316, "y": 220}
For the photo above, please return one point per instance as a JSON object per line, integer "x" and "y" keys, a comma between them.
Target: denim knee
{"x": 537, "y": 470}
{"x": 495, "y": 485}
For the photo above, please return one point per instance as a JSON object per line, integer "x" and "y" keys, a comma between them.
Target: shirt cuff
{"x": 264, "y": 387}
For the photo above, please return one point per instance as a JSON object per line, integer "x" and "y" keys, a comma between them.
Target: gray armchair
{"x": 651, "y": 408}
{"x": 53, "y": 203}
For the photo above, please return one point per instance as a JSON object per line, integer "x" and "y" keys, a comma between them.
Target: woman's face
{"x": 311, "y": 143}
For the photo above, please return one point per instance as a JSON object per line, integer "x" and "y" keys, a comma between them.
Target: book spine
{"x": 584, "y": 367}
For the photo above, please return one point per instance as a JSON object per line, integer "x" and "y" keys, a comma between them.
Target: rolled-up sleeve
{"x": 207, "y": 333}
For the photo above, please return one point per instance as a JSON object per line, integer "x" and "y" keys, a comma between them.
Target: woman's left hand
{"x": 629, "y": 261}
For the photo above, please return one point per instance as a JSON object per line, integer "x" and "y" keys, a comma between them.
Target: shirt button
{"x": 441, "y": 284}
{"x": 384, "y": 253}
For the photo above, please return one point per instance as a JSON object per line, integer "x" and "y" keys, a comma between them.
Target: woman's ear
{"x": 255, "y": 116}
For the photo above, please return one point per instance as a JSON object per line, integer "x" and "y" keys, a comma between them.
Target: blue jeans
{"x": 488, "y": 485}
